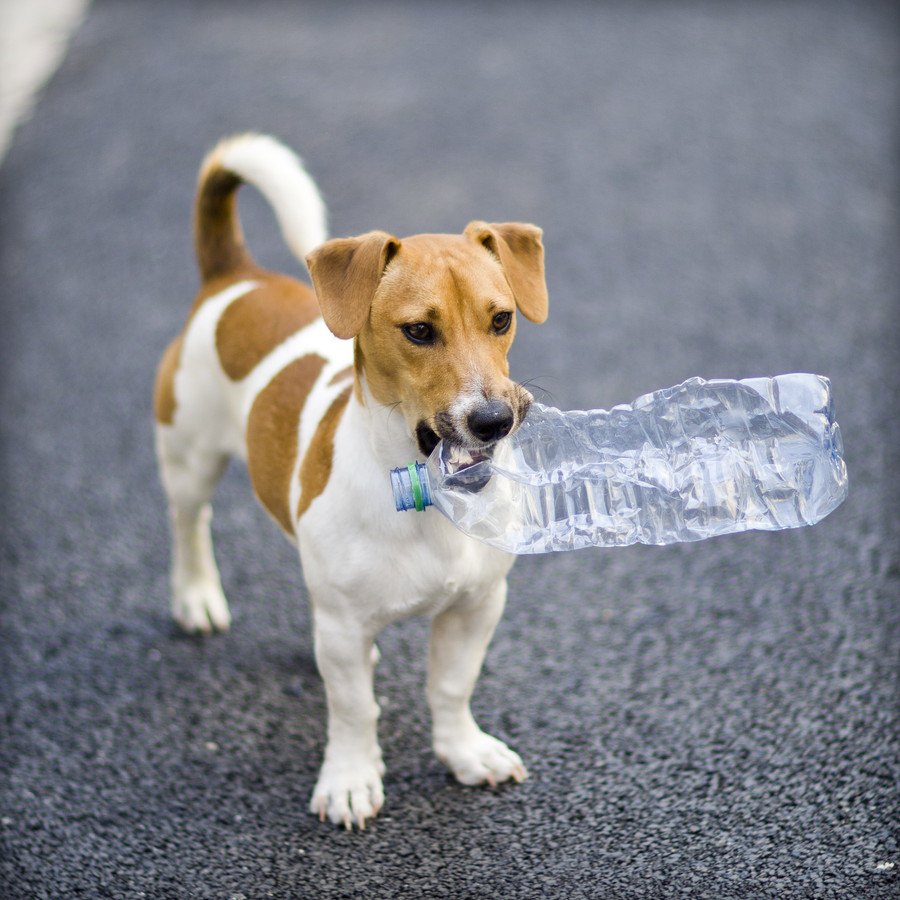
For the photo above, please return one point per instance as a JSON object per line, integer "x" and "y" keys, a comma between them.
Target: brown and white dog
{"x": 403, "y": 342}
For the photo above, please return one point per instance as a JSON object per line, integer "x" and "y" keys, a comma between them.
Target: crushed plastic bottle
{"x": 690, "y": 462}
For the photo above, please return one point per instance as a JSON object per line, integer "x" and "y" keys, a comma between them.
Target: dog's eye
{"x": 419, "y": 333}
{"x": 501, "y": 322}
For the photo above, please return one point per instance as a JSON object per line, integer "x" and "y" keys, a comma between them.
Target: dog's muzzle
{"x": 480, "y": 428}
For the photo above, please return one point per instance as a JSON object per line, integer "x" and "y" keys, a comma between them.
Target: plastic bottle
{"x": 686, "y": 463}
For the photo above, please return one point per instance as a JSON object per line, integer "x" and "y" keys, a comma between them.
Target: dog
{"x": 400, "y": 344}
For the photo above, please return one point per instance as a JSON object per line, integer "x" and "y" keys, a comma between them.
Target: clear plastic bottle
{"x": 686, "y": 463}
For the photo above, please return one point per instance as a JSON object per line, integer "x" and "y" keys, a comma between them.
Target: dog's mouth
{"x": 445, "y": 427}
{"x": 427, "y": 439}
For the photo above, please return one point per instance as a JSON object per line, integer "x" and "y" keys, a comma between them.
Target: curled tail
{"x": 278, "y": 174}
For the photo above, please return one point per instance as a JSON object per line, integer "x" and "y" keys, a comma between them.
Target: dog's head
{"x": 434, "y": 316}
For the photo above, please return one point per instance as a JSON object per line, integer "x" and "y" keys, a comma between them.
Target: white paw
{"x": 348, "y": 792}
{"x": 199, "y": 606}
{"x": 480, "y": 759}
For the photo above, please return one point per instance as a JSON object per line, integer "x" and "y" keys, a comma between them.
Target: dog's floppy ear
{"x": 520, "y": 251}
{"x": 345, "y": 273}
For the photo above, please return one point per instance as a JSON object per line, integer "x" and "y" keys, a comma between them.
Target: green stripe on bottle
{"x": 416, "y": 485}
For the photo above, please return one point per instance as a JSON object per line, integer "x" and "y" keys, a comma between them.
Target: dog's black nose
{"x": 491, "y": 421}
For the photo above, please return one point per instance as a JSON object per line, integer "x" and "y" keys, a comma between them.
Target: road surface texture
{"x": 718, "y": 187}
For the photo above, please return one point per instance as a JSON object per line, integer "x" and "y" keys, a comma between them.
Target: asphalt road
{"x": 718, "y": 187}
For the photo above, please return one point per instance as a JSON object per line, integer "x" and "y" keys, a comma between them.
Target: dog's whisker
{"x": 391, "y": 407}
{"x": 532, "y": 386}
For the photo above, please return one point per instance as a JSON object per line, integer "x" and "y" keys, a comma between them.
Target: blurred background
{"x": 717, "y": 183}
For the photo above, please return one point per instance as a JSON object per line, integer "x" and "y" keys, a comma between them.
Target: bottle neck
{"x": 412, "y": 487}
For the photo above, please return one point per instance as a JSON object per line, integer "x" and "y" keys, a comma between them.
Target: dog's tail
{"x": 278, "y": 174}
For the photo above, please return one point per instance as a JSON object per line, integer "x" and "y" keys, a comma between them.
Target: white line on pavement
{"x": 34, "y": 35}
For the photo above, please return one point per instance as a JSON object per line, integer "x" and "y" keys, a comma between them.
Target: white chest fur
{"x": 387, "y": 564}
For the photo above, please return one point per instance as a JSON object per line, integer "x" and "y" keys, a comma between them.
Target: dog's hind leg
{"x": 189, "y": 473}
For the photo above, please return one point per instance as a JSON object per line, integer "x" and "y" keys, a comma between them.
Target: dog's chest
{"x": 441, "y": 565}
{"x": 426, "y": 582}
{"x": 386, "y": 564}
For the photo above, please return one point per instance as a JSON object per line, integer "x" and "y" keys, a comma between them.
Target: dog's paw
{"x": 480, "y": 759}
{"x": 348, "y": 793}
{"x": 200, "y": 607}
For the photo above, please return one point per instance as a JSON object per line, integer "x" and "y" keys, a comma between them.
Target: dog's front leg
{"x": 349, "y": 788}
{"x": 459, "y": 640}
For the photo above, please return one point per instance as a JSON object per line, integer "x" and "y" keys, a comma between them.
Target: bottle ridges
{"x": 697, "y": 460}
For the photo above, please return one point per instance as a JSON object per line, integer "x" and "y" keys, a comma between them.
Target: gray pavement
{"x": 718, "y": 187}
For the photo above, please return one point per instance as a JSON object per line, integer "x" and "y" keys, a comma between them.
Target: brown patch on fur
{"x": 164, "y": 403}
{"x": 216, "y": 285}
{"x": 343, "y": 375}
{"x": 255, "y": 324}
{"x": 164, "y": 388}
{"x": 272, "y": 434}
{"x": 315, "y": 469}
